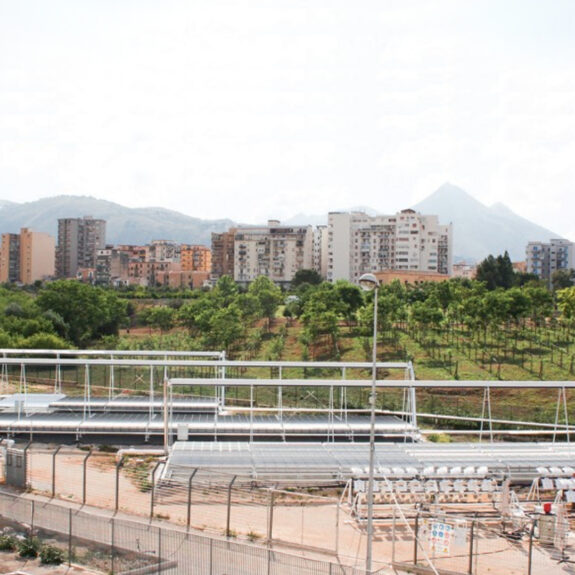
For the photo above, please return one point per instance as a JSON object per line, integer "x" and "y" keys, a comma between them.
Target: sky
{"x": 264, "y": 109}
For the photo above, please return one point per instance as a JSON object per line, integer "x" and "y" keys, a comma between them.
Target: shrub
{"x": 439, "y": 438}
{"x": 50, "y": 555}
{"x": 253, "y": 535}
{"x": 8, "y": 543}
{"x": 29, "y": 548}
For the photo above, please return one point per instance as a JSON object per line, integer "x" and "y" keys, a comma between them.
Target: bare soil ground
{"x": 307, "y": 528}
{"x": 10, "y": 563}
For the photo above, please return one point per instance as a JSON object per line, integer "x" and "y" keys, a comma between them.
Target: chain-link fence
{"x": 317, "y": 521}
{"x": 211, "y": 502}
{"x": 115, "y": 545}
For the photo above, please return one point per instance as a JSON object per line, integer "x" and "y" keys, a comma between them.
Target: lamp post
{"x": 369, "y": 282}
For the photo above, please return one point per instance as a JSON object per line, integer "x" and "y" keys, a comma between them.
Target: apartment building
{"x": 274, "y": 251}
{"x": 163, "y": 251}
{"x": 407, "y": 241}
{"x": 320, "y": 250}
{"x": 223, "y": 254}
{"x": 195, "y": 258}
{"x": 79, "y": 240}
{"x": 26, "y": 257}
{"x": 543, "y": 259}
{"x": 160, "y": 263}
{"x": 10, "y": 258}
{"x": 112, "y": 267}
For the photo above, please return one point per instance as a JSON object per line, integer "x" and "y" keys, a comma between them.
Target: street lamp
{"x": 369, "y": 282}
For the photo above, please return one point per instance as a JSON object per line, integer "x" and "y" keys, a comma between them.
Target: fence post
{"x": 471, "y": 541}
{"x": 530, "y": 556}
{"x": 393, "y": 538}
{"x": 336, "y": 531}
{"x": 229, "y": 505}
{"x": 25, "y": 462}
{"x": 70, "y": 537}
{"x": 271, "y": 518}
{"x": 211, "y": 556}
{"x": 416, "y": 537}
{"x": 118, "y": 466}
{"x": 85, "y": 476}
{"x": 153, "y": 490}
{"x": 112, "y": 546}
{"x": 189, "y": 516}
{"x": 54, "y": 469}
{"x": 32, "y": 511}
{"x": 159, "y": 549}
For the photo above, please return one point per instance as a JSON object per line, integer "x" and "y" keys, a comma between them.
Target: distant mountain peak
{"x": 450, "y": 194}
{"x": 479, "y": 230}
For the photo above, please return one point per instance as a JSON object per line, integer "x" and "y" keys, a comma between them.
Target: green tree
{"x": 225, "y": 291}
{"x": 268, "y": 295}
{"x": 195, "y": 315}
{"x": 566, "y": 303}
{"x": 161, "y": 317}
{"x": 350, "y": 297}
{"x": 496, "y": 272}
{"x": 561, "y": 279}
{"x": 306, "y": 276}
{"x": 226, "y": 328}
{"x": 88, "y": 311}
{"x": 320, "y": 314}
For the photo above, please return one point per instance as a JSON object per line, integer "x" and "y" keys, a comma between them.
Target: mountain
{"x": 479, "y": 230}
{"x": 124, "y": 225}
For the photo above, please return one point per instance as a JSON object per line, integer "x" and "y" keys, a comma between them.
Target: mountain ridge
{"x": 478, "y": 230}
{"x": 123, "y": 225}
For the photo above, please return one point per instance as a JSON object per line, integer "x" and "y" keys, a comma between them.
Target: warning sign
{"x": 440, "y": 537}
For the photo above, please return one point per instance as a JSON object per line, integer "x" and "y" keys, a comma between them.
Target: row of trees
{"x": 65, "y": 313}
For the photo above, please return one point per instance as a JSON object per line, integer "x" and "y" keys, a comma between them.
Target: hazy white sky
{"x": 262, "y": 109}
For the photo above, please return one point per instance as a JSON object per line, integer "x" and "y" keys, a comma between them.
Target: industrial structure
{"x": 268, "y": 416}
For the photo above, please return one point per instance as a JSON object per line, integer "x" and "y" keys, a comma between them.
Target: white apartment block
{"x": 543, "y": 259}
{"x": 320, "y": 250}
{"x": 275, "y": 251}
{"x": 407, "y": 241}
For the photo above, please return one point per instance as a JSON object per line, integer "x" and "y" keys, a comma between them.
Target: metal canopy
{"x": 274, "y": 461}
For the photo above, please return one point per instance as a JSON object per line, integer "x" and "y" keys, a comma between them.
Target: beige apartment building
{"x": 407, "y": 241}
{"x": 195, "y": 258}
{"x": 274, "y": 251}
{"x": 27, "y": 257}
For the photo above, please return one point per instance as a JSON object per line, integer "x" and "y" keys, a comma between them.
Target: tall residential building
{"x": 37, "y": 251}
{"x": 79, "y": 240}
{"x": 223, "y": 254}
{"x": 195, "y": 258}
{"x": 10, "y": 258}
{"x": 274, "y": 251}
{"x": 543, "y": 259}
{"x": 407, "y": 241}
{"x": 320, "y": 250}
{"x": 26, "y": 257}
